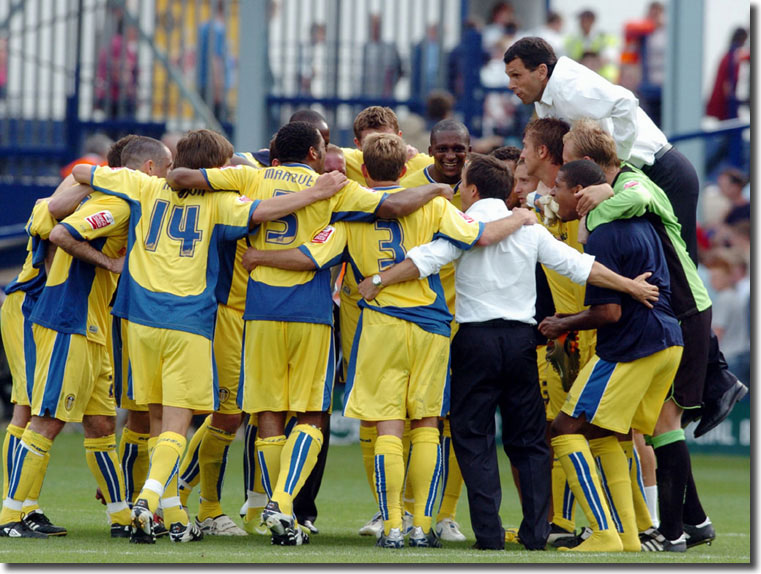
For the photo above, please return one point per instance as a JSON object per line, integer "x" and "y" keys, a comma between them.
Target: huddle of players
{"x": 288, "y": 305}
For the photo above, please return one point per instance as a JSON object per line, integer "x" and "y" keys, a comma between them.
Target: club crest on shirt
{"x": 100, "y": 220}
{"x": 324, "y": 235}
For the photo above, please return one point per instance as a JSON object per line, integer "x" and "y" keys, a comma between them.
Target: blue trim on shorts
{"x": 30, "y": 357}
{"x": 446, "y": 398}
{"x": 352, "y": 369}
{"x": 330, "y": 377}
{"x": 584, "y": 475}
{"x": 54, "y": 382}
{"x": 116, "y": 347}
{"x": 589, "y": 399}
{"x": 241, "y": 375}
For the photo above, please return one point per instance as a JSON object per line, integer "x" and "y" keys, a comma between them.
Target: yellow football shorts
{"x": 620, "y": 396}
{"x": 287, "y": 367}
{"x": 171, "y": 368}
{"x": 119, "y": 352}
{"x": 397, "y": 371}
{"x": 17, "y": 342}
{"x": 72, "y": 377}
{"x": 348, "y": 316}
{"x": 228, "y": 346}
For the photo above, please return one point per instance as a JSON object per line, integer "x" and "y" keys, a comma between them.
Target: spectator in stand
{"x": 552, "y": 32}
{"x": 312, "y": 58}
{"x": 116, "y": 75}
{"x": 438, "y": 106}
{"x": 426, "y": 57}
{"x": 96, "y": 151}
{"x": 502, "y": 23}
{"x": 732, "y": 182}
{"x": 214, "y": 70}
{"x": 723, "y": 103}
{"x": 731, "y": 308}
{"x": 381, "y": 63}
{"x": 590, "y": 39}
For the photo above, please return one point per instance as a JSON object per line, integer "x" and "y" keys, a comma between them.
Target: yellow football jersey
{"x": 171, "y": 271}
{"x": 278, "y": 294}
{"x": 250, "y": 157}
{"x": 567, "y": 295}
{"x": 76, "y": 295}
{"x": 423, "y": 177}
{"x": 354, "y": 161}
{"x": 31, "y": 278}
{"x": 379, "y": 245}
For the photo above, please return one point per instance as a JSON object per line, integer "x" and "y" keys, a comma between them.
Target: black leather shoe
{"x": 714, "y": 413}
{"x": 479, "y": 546}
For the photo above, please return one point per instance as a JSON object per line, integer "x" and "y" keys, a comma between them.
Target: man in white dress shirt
{"x": 565, "y": 89}
{"x": 494, "y": 351}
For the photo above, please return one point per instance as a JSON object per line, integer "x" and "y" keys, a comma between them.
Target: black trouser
{"x": 677, "y": 177}
{"x": 494, "y": 365}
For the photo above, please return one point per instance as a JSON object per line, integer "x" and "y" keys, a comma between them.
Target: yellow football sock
{"x": 408, "y": 502}
{"x": 424, "y": 471}
{"x": 388, "y": 478}
{"x": 563, "y": 503}
{"x": 614, "y": 475}
{"x": 133, "y": 454}
{"x": 165, "y": 460}
{"x": 574, "y": 454}
{"x": 268, "y": 452}
{"x": 212, "y": 456}
{"x": 299, "y": 456}
{"x": 103, "y": 462}
{"x": 367, "y": 437}
{"x": 190, "y": 467}
{"x": 10, "y": 442}
{"x": 29, "y": 462}
{"x": 171, "y": 504}
{"x": 451, "y": 477}
{"x": 32, "y": 498}
{"x": 641, "y": 511}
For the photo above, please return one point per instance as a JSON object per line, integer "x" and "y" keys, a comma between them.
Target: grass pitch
{"x": 345, "y": 504}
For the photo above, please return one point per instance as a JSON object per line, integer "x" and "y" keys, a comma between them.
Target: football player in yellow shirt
{"x": 450, "y": 145}
{"x": 294, "y": 310}
{"x": 173, "y": 265}
{"x": 417, "y": 313}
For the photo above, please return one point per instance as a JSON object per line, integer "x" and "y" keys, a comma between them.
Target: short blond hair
{"x": 384, "y": 156}
{"x": 590, "y": 140}
{"x": 375, "y": 117}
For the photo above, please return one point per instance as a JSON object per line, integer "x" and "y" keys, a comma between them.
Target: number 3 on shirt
{"x": 183, "y": 227}
{"x": 391, "y": 245}
{"x": 285, "y": 227}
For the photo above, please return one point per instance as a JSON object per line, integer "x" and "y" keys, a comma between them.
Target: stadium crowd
{"x": 557, "y": 283}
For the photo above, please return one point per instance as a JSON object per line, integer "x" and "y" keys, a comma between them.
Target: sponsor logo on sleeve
{"x": 324, "y": 235}
{"x": 244, "y": 199}
{"x": 466, "y": 217}
{"x": 631, "y": 184}
{"x": 100, "y": 220}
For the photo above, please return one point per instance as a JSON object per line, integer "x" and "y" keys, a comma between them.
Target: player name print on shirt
{"x": 100, "y": 220}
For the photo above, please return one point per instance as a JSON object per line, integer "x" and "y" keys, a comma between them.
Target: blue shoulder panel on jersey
{"x": 461, "y": 244}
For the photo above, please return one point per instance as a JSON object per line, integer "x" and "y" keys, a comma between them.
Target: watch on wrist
{"x": 376, "y": 280}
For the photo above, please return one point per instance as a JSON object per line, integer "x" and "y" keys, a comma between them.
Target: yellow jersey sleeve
{"x": 240, "y": 178}
{"x": 127, "y": 182}
{"x": 327, "y": 247}
{"x": 100, "y": 216}
{"x": 40, "y": 223}
{"x": 356, "y": 203}
{"x": 418, "y": 162}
